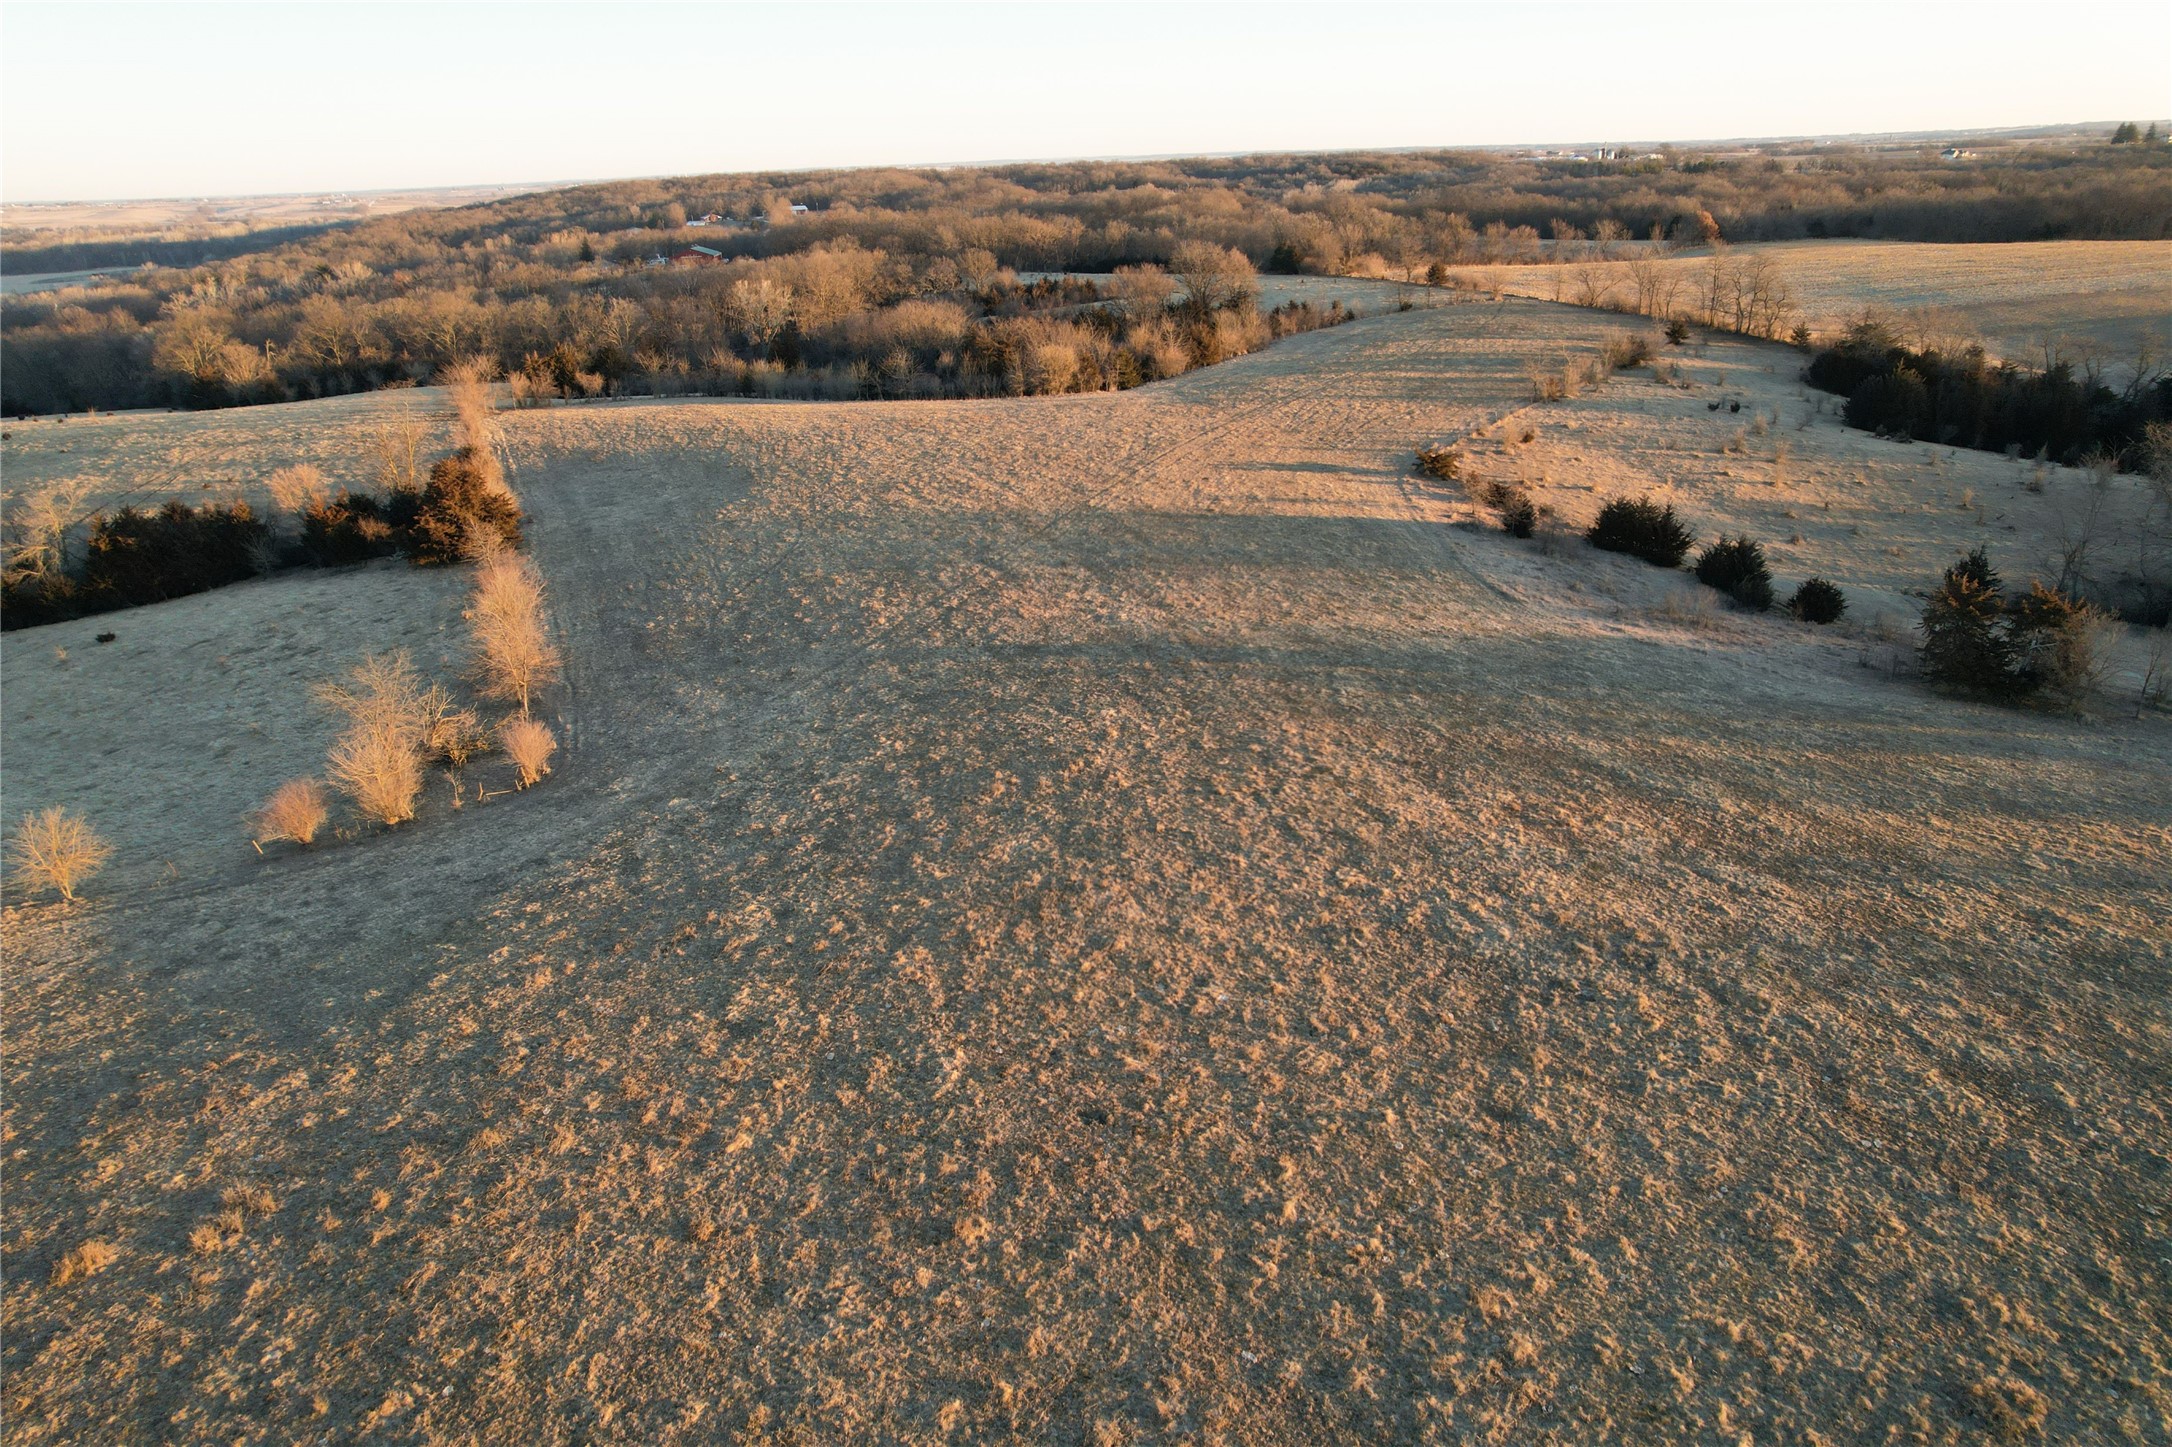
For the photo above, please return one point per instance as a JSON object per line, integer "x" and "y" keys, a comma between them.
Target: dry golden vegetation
{"x": 296, "y": 812}
{"x": 53, "y": 849}
{"x": 514, "y": 655}
{"x": 377, "y": 761}
{"x": 529, "y": 744}
{"x": 894, "y": 283}
{"x": 2106, "y": 302}
{"x": 1111, "y": 919}
{"x": 90, "y": 238}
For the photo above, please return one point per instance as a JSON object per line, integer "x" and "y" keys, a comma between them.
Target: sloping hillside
{"x": 1107, "y": 919}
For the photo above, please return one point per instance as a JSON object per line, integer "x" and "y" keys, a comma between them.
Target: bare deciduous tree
{"x": 1142, "y": 291}
{"x": 56, "y": 850}
{"x": 2077, "y": 525}
{"x": 529, "y": 744}
{"x": 297, "y": 489}
{"x": 1214, "y": 276}
{"x": 377, "y": 760}
{"x": 1653, "y": 284}
{"x": 36, "y": 528}
{"x": 450, "y": 730}
{"x": 1594, "y": 286}
{"x": 760, "y": 308}
{"x": 514, "y": 655}
{"x": 980, "y": 268}
{"x": 2156, "y": 668}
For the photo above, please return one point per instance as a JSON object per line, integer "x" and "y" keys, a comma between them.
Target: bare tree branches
{"x": 514, "y": 655}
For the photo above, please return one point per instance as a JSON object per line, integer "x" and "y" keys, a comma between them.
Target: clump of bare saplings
{"x": 514, "y": 656}
{"x": 53, "y": 849}
{"x": 396, "y": 726}
{"x": 1616, "y": 354}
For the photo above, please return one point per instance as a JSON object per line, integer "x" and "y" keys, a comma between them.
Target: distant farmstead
{"x": 696, "y": 256}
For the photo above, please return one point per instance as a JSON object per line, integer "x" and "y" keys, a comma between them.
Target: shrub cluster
{"x": 395, "y": 727}
{"x": 1736, "y": 566}
{"x": 133, "y": 556}
{"x": 465, "y": 507}
{"x": 140, "y": 557}
{"x": 1818, "y": 601}
{"x": 1443, "y": 463}
{"x": 1979, "y": 641}
{"x": 1643, "y": 529}
{"x": 1510, "y": 501}
{"x": 1293, "y": 317}
{"x": 1964, "y": 400}
{"x": 356, "y": 526}
{"x": 1519, "y": 515}
{"x": 1621, "y": 353}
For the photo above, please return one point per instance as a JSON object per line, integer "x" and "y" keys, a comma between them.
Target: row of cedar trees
{"x": 1964, "y": 399}
{"x": 1976, "y": 638}
{"x": 395, "y": 725}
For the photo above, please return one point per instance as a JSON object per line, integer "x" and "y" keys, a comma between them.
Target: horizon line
{"x": 1134, "y": 158}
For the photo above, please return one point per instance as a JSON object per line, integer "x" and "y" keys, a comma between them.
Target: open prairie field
{"x": 24, "y": 282}
{"x": 2105, "y": 300}
{"x": 144, "y": 459}
{"x": 1112, "y": 918}
{"x": 34, "y": 223}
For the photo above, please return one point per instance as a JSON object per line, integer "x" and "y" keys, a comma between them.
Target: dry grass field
{"x": 184, "y": 219}
{"x": 1108, "y": 919}
{"x": 31, "y": 223}
{"x": 2100, "y": 300}
{"x": 145, "y": 458}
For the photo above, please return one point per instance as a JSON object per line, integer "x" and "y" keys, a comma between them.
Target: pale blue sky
{"x": 192, "y": 99}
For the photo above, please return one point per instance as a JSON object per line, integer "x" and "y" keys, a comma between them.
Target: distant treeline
{"x": 182, "y": 250}
{"x": 1965, "y": 400}
{"x": 816, "y": 270}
